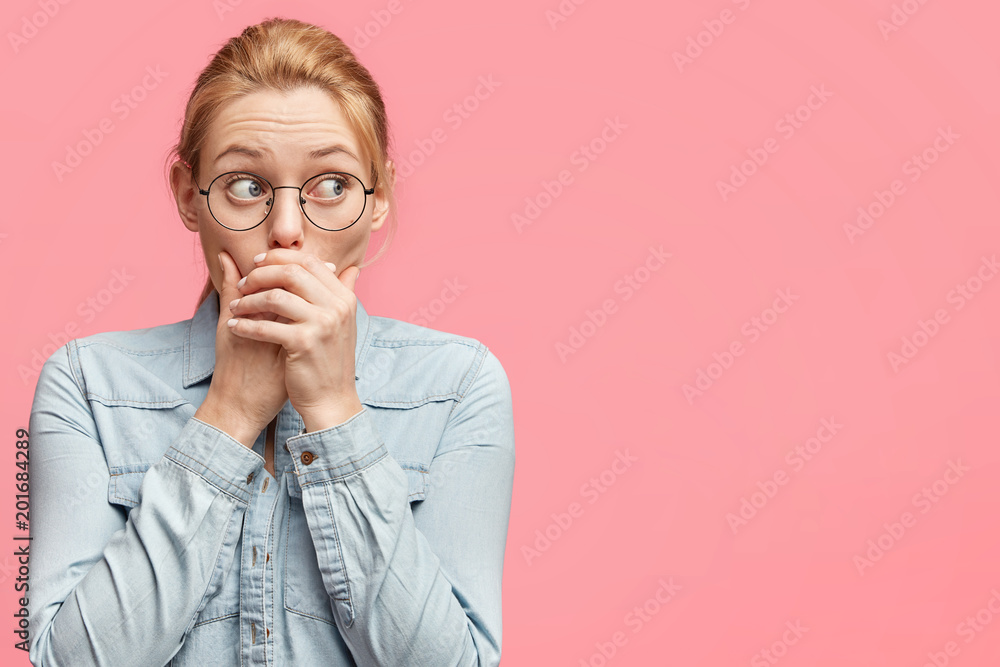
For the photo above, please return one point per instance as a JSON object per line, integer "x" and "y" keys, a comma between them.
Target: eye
{"x": 329, "y": 186}
{"x": 244, "y": 186}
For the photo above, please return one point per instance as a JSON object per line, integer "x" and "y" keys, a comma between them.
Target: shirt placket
{"x": 256, "y": 573}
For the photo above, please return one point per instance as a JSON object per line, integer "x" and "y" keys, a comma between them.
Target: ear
{"x": 185, "y": 191}
{"x": 381, "y": 199}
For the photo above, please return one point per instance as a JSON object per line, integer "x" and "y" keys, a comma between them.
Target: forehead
{"x": 286, "y": 125}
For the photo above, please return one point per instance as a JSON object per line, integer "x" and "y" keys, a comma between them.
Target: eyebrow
{"x": 313, "y": 155}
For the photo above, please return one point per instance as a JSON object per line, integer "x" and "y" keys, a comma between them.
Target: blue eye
{"x": 244, "y": 186}
{"x": 331, "y": 187}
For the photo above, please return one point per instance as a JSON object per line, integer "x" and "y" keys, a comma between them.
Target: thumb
{"x": 349, "y": 277}
{"x": 230, "y": 276}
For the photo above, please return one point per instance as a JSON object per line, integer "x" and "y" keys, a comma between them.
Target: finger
{"x": 263, "y": 330}
{"x": 230, "y": 276}
{"x": 325, "y": 272}
{"x": 283, "y": 304}
{"x": 349, "y": 277}
{"x": 295, "y": 278}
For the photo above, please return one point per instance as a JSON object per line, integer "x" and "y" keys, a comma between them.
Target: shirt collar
{"x": 199, "y": 339}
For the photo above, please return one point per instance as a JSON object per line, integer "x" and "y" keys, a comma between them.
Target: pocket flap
{"x": 123, "y": 487}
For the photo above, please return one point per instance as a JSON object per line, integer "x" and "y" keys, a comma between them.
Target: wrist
{"x": 235, "y": 425}
{"x": 334, "y": 414}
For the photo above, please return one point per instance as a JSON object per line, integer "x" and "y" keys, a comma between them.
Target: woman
{"x": 282, "y": 479}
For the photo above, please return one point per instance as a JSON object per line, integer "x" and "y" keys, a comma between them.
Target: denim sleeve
{"x": 418, "y": 587}
{"x": 110, "y": 588}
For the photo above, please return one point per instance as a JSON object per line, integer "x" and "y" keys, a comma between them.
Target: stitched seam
{"x": 269, "y": 645}
{"x": 360, "y": 458}
{"x": 288, "y": 525}
{"x": 188, "y": 456}
{"x": 482, "y": 363}
{"x": 218, "y": 557}
{"x": 217, "y": 618}
{"x": 288, "y": 535}
{"x": 173, "y": 402}
{"x": 340, "y": 555}
{"x": 72, "y": 368}
{"x": 139, "y": 353}
{"x": 187, "y": 350}
{"x": 338, "y": 478}
{"x": 308, "y": 615}
{"x": 210, "y": 482}
{"x": 380, "y": 401}
{"x": 401, "y": 342}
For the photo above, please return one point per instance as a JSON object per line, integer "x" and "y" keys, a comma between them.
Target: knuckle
{"x": 294, "y": 273}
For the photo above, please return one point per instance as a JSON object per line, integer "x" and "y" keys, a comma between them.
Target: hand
{"x": 248, "y": 384}
{"x": 315, "y": 326}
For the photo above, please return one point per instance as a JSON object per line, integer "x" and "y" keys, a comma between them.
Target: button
{"x": 307, "y": 457}
{"x": 253, "y": 633}
{"x": 268, "y": 559}
{"x": 249, "y": 478}
{"x": 254, "y": 556}
{"x": 264, "y": 490}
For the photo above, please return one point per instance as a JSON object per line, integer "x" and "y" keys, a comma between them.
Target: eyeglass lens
{"x": 241, "y": 200}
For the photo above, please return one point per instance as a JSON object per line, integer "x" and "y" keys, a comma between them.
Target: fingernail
{"x": 259, "y": 258}
{"x": 232, "y": 304}
{"x": 240, "y": 283}
{"x": 231, "y": 322}
{"x": 333, "y": 267}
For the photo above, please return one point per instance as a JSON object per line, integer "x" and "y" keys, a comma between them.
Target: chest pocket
{"x": 123, "y": 490}
{"x": 305, "y": 592}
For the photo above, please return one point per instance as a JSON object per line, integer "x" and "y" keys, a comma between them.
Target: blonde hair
{"x": 286, "y": 54}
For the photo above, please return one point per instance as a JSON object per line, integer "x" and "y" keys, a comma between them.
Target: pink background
{"x": 888, "y": 91}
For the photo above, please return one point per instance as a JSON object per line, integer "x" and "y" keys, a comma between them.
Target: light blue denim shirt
{"x": 158, "y": 539}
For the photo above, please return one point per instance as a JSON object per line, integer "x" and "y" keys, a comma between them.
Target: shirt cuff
{"x": 338, "y": 451}
{"x": 217, "y": 457}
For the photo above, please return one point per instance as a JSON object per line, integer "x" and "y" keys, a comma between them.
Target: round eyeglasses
{"x": 241, "y": 200}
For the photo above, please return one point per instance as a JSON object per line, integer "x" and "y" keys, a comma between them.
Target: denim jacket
{"x": 158, "y": 539}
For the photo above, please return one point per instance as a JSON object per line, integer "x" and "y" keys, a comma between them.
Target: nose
{"x": 286, "y": 220}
